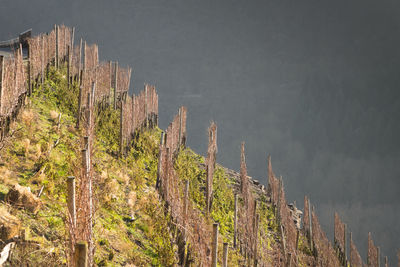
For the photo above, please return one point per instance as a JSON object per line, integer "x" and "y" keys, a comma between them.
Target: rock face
{"x": 296, "y": 214}
{"x": 22, "y": 197}
{"x": 9, "y": 225}
{"x": 260, "y": 189}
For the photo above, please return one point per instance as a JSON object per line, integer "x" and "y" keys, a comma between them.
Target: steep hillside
{"x": 130, "y": 225}
{"x": 88, "y": 178}
{"x": 44, "y": 148}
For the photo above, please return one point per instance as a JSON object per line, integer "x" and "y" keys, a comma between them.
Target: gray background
{"x": 313, "y": 83}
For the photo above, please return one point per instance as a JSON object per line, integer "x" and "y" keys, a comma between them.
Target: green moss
{"x": 144, "y": 154}
{"x": 187, "y": 167}
{"x": 107, "y": 131}
{"x": 52, "y": 153}
{"x": 267, "y": 217}
{"x": 222, "y": 210}
{"x": 304, "y": 245}
{"x": 56, "y": 92}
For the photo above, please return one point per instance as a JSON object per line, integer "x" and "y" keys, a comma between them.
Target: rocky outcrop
{"x": 22, "y": 197}
{"x": 296, "y": 215}
{"x": 260, "y": 189}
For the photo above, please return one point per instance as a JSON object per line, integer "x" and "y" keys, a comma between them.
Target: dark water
{"x": 6, "y": 52}
{"x": 313, "y": 83}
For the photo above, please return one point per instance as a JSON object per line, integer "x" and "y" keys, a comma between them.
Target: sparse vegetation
{"x": 130, "y": 225}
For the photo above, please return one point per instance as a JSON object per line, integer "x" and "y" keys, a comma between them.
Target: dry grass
{"x": 54, "y": 116}
{"x": 39, "y": 177}
{"x": 111, "y": 189}
{"x": 26, "y": 143}
{"x": 38, "y": 151}
{"x": 28, "y": 117}
{"x": 124, "y": 178}
{"x": 7, "y": 177}
{"x": 132, "y": 198}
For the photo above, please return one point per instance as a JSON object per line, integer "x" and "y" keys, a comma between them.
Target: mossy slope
{"x": 130, "y": 224}
{"x": 43, "y": 150}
